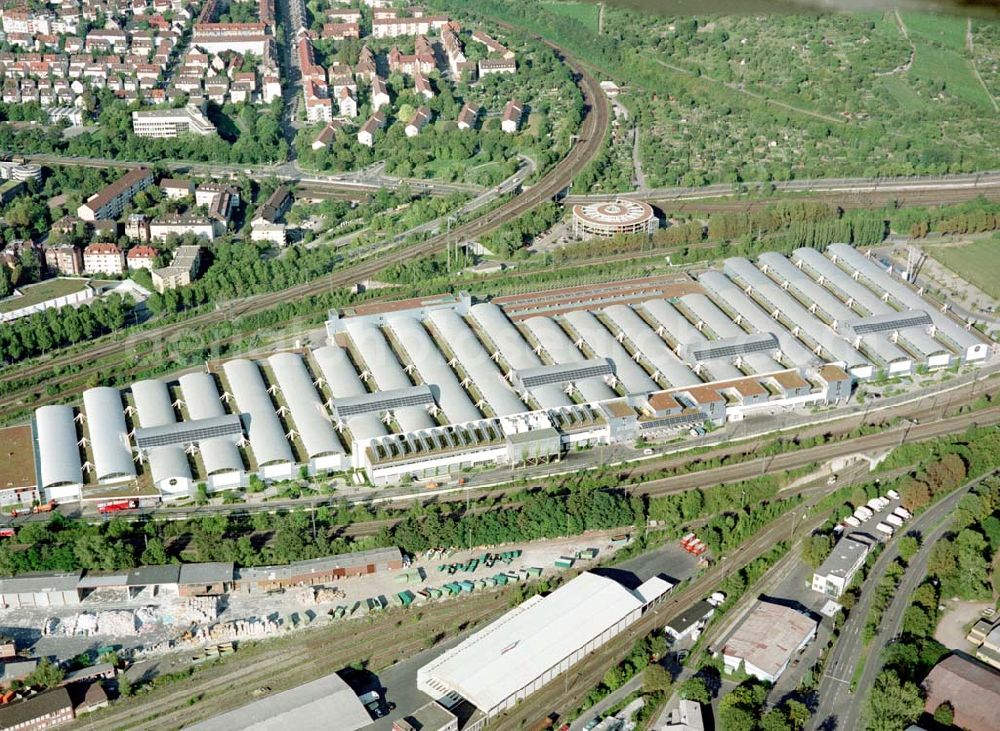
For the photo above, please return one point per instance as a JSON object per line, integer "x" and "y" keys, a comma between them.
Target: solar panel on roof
{"x": 732, "y": 347}
{"x": 188, "y": 432}
{"x": 383, "y": 401}
{"x": 889, "y": 323}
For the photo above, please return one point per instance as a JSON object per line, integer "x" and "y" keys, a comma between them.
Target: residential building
{"x": 175, "y": 188}
{"x": 48, "y": 709}
{"x": 103, "y": 258}
{"x": 347, "y": 104}
{"x": 511, "y": 119}
{"x": 111, "y": 202}
{"x": 161, "y": 228}
{"x": 366, "y": 135}
{"x": 276, "y": 233}
{"x": 767, "y": 639}
{"x": 276, "y": 205}
{"x": 489, "y": 66}
{"x": 468, "y": 117}
{"x": 492, "y": 44}
{"x": 141, "y": 257}
{"x": 137, "y": 227}
{"x": 392, "y": 27}
{"x": 691, "y": 620}
{"x": 182, "y": 270}
{"x": 422, "y": 85}
{"x": 420, "y": 119}
{"x": 65, "y": 259}
{"x": 168, "y": 123}
{"x": 379, "y": 94}
{"x": 970, "y": 688}
{"x": 326, "y": 135}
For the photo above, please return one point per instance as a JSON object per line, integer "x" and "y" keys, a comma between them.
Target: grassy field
{"x": 954, "y": 69}
{"x": 948, "y": 30}
{"x": 41, "y": 292}
{"x": 977, "y": 261}
{"x": 585, "y": 13}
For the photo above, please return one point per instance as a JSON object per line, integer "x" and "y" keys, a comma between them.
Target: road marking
{"x": 839, "y": 680}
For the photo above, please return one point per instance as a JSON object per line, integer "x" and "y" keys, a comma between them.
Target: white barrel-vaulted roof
{"x": 433, "y": 368}
{"x": 855, "y": 261}
{"x": 384, "y": 367}
{"x": 308, "y": 413}
{"x": 718, "y": 322}
{"x": 58, "y": 453}
{"x": 837, "y": 280}
{"x": 809, "y": 290}
{"x": 201, "y": 398}
{"x": 839, "y": 350}
{"x": 603, "y": 343}
{"x": 267, "y": 438}
{"x": 742, "y": 306}
{"x": 477, "y": 363}
{"x": 343, "y": 381}
{"x": 109, "y": 440}
{"x": 154, "y": 408}
{"x": 649, "y": 344}
{"x": 560, "y": 348}
{"x": 152, "y": 402}
{"x": 680, "y": 329}
{"x": 501, "y": 334}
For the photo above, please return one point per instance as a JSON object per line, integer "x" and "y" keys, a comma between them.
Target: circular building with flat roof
{"x": 610, "y": 218}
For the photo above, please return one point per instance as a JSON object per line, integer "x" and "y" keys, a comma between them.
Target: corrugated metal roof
{"x": 201, "y": 397}
{"x": 680, "y": 329}
{"x": 509, "y": 654}
{"x": 560, "y": 348}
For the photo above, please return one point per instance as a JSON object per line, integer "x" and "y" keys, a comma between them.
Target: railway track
{"x": 588, "y": 144}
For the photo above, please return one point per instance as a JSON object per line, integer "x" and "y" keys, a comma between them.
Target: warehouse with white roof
{"x": 168, "y": 464}
{"x": 532, "y": 644}
{"x": 223, "y": 464}
{"x": 271, "y": 449}
{"x": 108, "y": 432}
{"x": 57, "y": 453}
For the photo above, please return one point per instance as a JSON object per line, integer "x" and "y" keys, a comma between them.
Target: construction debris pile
{"x": 116, "y": 623}
{"x": 328, "y": 595}
{"x": 255, "y": 628}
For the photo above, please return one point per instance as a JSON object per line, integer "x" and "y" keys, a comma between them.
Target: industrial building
{"x": 971, "y": 688}
{"x": 58, "y": 588}
{"x": 535, "y": 642}
{"x": 423, "y": 388}
{"x": 836, "y": 572}
{"x": 328, "y": 698}
{"x": 169, "y": 123}
{"x": 767, "y": 639}
{"x": 612, "y": 218}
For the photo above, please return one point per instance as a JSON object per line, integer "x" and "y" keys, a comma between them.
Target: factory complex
{"x": 423, "y": 388}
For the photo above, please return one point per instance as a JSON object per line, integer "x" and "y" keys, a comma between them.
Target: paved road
{"x": 838, "y": 707}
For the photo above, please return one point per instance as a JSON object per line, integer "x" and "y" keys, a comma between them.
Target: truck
{"x": 852, "y": 521}
{"x": 863, "y": 514}
{"x": 885, "y": 529}
{"x": 892, "y": 494}
{"x": 6, "y": 532}
{"x": 19, "y": 512}
{"x": 902, "y": 513}
{"x": 45, "y": 507}
{"x": 894, "y": 520}
{"x": 114, "y": 506}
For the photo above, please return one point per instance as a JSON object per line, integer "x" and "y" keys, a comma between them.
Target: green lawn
{"x": 41, "y": 292}
{"x": 948, "y": 30}
{"x": 954, "y": 69}
{"x": 585, "y": 13}
{"x": 978, "y": 262}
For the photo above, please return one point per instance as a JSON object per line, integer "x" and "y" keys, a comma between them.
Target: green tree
{"x": 5, "y": 284}
{"x": 775, "y": 720}
{"x": 656, "y": 679}
{"x": 45, "y": 675}
{"x": 694, "y": 689}
{"x": 892, "y": 703}
{"x": 155, "y": 554}
{"x": 817, "y": 548}
{"x": 125, "y": 687}
{"x": 908, "y": 547}
{"x": 945, "y": 714}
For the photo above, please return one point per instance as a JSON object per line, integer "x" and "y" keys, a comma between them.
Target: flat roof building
{"x": 111, "y": 201}
{"x": 834, "y": 575}
{"x": 169, "y": 123}
{"x": 767, "y": 639}
{"x": 535, "y": 642}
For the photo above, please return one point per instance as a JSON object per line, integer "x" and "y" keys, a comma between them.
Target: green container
{"x": 467, "y": 586}
{"x": 405, "y": 598}
{"x": 434, "y": 592}
{"x": 564, "y": 563}
{"x": 534, "y": 571}
{"x": 473, "y": 565}
{"x": 500, "y": 579}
